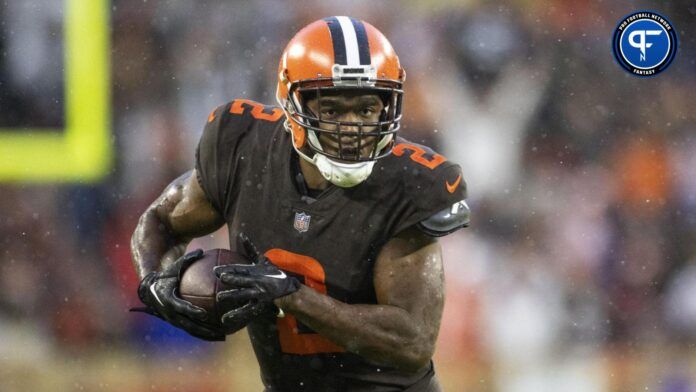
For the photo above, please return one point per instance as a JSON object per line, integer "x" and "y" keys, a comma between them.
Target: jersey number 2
{"x": 256, "y": 110}
{"x": 291, "y": 340}
{"x": 418, "y": 155}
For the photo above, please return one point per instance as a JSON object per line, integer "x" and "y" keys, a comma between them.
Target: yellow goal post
{"x": 83, "y": 151}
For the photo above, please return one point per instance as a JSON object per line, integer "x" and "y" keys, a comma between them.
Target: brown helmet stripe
{"x": 339, "y": 43}
{"x": 363, "y": 43}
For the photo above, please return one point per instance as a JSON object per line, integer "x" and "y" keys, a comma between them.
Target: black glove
{"x": 240, "y": 316}
{"x": 158, "y": 292}
{"x": 260, "y": 281}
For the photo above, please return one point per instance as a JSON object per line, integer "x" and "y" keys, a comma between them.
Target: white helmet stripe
{"x": 351, "y": 40}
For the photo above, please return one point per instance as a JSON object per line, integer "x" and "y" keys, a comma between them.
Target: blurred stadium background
{"x": 578, "y": 272}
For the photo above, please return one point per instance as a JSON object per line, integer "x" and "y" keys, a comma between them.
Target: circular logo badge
{"x": 645, "y": 43}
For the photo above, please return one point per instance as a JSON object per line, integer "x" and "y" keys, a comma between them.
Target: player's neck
{"x": 312, "y": 176}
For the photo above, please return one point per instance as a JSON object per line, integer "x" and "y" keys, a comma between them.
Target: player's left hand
{"x": 260, "y": 280}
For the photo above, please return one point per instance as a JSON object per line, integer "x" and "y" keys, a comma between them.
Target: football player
{"x": 338, "y": 214}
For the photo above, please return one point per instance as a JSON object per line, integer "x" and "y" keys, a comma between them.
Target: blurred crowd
{"x": 578, "y": 270}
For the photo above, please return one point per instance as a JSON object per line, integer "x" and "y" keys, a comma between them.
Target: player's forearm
{"x": 381, "y": 333}
{"x": 152, "y": 244}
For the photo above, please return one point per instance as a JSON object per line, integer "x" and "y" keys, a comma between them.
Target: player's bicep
{"x": 186, "y": 211}
{"x": 409, "y": 274}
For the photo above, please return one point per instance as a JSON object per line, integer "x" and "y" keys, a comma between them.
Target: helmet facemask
{"x": 379, "y": 134}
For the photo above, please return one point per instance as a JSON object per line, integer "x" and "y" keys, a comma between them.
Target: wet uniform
{"x": 249, "y": 171}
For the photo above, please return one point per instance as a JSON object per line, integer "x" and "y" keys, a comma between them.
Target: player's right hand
{"x": 157, "y": 291}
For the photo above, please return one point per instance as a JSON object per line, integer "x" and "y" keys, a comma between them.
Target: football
{"x": 199, "y": 285}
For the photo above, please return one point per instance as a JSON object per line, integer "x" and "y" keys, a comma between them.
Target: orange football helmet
{"x": 333, "y": 54}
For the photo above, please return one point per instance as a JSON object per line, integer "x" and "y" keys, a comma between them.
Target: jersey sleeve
{"x": 434, "y": 191}
{"x": 216, "y": 155}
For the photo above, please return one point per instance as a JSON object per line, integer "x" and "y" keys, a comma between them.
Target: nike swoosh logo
{"x": 154, "y": 293}
{"x": 281, "y": 275}
{"x": 452, "y": 187}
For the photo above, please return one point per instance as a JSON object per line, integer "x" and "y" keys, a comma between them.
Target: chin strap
{"x": 345, "y": 175}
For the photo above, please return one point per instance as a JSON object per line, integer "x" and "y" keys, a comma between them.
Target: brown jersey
{"x": 248, "y": 169}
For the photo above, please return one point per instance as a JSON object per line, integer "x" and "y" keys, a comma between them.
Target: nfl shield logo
{"x": 302, "y": 221}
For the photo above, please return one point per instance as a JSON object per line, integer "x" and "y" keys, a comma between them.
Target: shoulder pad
{"x": 224, "y": 139}
{"x": 446, "y": 221}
